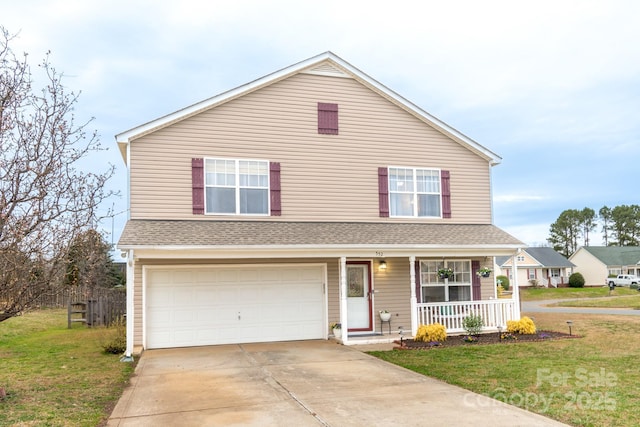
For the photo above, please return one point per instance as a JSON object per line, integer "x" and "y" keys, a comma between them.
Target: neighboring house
{"x": 539, "y": 266}
{"x": 596, "y": 263}
{"x": 310, "y": 196}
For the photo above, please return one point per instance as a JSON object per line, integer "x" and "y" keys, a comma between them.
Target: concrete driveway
{"x": 304, "y": 383}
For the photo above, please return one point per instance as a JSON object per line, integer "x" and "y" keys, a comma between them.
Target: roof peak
{"x": 340, "y": 68}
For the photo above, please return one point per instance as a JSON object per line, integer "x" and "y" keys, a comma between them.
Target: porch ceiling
{"x": 283, "y": 235}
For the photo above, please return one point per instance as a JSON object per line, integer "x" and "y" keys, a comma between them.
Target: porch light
{"x": 383, "y": 265}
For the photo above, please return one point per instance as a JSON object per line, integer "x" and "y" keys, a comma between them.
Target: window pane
{"x": 429, "y": 272}
{"x": 220, "y": 172}
{"x": 432, "y": 293}
{"x": 459, "y": 293}
{"x": 428, "y": 205}
{"x": 427, "y": 181}
{"x": 401, "y": 204}
{"x": 461, "y": 271}
{"x": 221, "y": 200}
{"x": 400, "y": 179}
{"x": 253, "y": 201}
{"x": 253, "y": 174}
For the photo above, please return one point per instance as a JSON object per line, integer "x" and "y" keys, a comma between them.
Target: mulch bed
{"x": 488, "y": 338}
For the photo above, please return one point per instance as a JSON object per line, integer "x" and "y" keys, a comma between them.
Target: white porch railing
{"x": 494, "y": 313}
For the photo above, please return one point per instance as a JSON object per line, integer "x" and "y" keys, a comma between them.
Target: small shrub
{"x": 114, "y": 339}
{"x": 524, "y": 326}
{"x": 434, "y": 332}
{"x": 504, "y": 281}
{"x": 473, "y": 324}
{"x": 576, "y": 280}
{"x": 632, "y": 286}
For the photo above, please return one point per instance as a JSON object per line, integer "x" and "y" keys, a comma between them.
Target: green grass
{"x": 56, "y": 376}
{"x": 536, "y": 294}
{"x": 589, "y": 381}
{"x": 629, "y": 302}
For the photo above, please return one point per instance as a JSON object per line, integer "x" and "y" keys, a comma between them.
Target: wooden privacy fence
{"x": 93, "y": 306}
{"x": 102, "y": 310}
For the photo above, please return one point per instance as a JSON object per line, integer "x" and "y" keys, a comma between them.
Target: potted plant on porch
{"x": 445, "y": 273}
{"x": 337, "y": 330}
{"x": 484, "y": 272}
{"x": 385, "y": 315}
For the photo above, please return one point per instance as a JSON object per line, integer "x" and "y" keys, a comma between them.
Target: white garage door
{"x": 233, "y": 304}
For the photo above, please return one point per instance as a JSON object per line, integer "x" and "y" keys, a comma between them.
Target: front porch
{"x": 429, "y": 298}
{"x": 495, "y": 313}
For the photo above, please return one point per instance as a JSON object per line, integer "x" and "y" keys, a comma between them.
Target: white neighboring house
{"x": 540, "y": 266}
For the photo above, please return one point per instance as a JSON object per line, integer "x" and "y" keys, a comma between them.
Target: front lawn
{"x": 590, "y": 381}
{"x": 56, "y": 376}
{"x": 536, "y": 294}
{"x": 631, "y": 301}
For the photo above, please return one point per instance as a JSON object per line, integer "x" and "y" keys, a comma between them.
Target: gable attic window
{"x": 415, "y": 192}
{"x": 236, "y": 187}
{"x": 327, "y": 118}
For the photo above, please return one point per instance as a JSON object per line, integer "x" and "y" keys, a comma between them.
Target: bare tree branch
{"x": 46, "y": 199}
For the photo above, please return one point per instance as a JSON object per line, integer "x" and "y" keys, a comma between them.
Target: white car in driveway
{"x": 623, "y": 280}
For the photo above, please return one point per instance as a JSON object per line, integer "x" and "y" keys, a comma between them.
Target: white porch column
{"x": 516, "y": 286}
{"x": 128, "y": 355}
{"x": 343, "y": 300}
{"x": 413, "y": 300}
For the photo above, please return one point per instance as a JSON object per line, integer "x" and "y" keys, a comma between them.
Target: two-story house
{"x": 310, "y": 196}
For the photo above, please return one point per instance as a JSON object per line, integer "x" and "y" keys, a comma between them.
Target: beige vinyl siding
{"x": 487, "y": 287}
{"x": 324, "y": 177}
{"x": 393, "y": 293}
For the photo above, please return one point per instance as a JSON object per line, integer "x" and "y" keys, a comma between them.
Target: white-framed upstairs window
{"x": 455, "y": 288}
{"x": 415, "y": 192}
{"x": 236, "y": 187}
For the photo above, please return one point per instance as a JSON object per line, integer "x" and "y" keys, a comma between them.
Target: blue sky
{"x": 551, "y": 86}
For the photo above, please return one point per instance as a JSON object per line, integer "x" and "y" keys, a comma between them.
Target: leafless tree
{"x": 46, "y": 199}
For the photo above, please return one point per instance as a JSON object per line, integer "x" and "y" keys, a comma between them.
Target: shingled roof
{"x": 615, "y": 255}
{"x": 207, "y": 234}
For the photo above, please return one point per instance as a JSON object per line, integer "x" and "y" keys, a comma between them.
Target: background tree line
{"x": 620, "y": 226}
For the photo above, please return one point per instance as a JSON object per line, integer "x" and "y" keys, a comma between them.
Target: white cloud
{"x": 517, "y": 198}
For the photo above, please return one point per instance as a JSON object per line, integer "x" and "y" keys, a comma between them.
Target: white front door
{"x": 359, "y": 296}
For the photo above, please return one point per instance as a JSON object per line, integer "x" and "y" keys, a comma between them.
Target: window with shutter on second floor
{"x": 414, "y": 192}
{"x": 236, "y": 187}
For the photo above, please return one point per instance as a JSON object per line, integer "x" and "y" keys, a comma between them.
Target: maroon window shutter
{"x": 446, "y": 193}
{"x": 383, "y": 191}
{"x": 327, "y": 118}
{"x": 197, "y": 186}
{"x": 475, "y": 281}
{"x": 274, "y": 177}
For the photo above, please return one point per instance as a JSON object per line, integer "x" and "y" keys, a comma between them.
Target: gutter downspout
{"x": 128, "y": 355}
